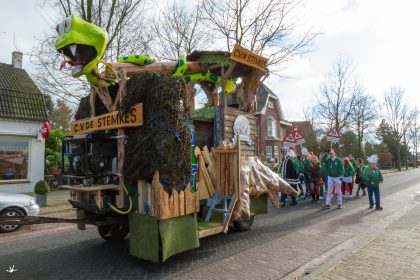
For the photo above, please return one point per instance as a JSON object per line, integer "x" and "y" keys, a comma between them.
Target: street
{"x": 67, "y": 253}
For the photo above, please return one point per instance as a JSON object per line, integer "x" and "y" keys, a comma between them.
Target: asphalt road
{"x": 73, "y": 254}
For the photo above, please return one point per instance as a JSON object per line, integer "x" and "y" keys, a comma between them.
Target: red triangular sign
{"x": 333, "y": 133}
{"x": 298, "y": 137}
{"x": 289, "y": 138}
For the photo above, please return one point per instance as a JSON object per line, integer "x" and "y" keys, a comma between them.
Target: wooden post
{"x": 92, "y": 101}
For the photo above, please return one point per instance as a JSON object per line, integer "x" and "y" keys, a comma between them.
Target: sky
{"x": 381, "y": 37}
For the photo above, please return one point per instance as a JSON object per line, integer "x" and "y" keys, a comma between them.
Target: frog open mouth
{"x": 77, "y": 56}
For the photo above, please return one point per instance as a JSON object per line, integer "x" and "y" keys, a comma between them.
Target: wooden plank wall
{"x": 164, "y": 205}
{"x": 229, "y": 117}
{"x": 226, "y": 165}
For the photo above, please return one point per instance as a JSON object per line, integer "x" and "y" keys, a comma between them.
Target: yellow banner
{"x": 249, "y": 58}
{"x": 113, "y": 120}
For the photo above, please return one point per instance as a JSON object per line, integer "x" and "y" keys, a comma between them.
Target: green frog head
{"x": 82, "y": 43}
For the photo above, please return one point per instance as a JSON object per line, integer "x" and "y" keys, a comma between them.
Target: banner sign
{"x": 133, "y": 117}
{"x": 249, "y": 58}
{"x": 333, "y": 135}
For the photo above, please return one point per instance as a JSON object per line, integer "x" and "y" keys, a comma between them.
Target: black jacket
{"x": 288, "y": 172}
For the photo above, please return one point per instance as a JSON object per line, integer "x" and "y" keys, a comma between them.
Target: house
{"x": 22, "y": 112}
{"x": 271, "y": 124}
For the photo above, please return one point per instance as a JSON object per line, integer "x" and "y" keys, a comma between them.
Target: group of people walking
{"x": 338, "y": 176}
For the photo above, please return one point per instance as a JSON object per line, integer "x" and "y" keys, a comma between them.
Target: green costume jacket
{"x": 349, "y": 171}
{"x": 374, "y": 176}
{"x": 297, "y": 166}
{"x": 353, "y": 163}
{"x": 305, "y": 166}
{"x": 335, "y": 167}
{"x": 324, "y": 171}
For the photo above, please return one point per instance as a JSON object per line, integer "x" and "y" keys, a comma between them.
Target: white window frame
{"x": 271, "y": 127}
{"x": 276, "y": 152}
{"x": 28, "y": 173}
{"x": 270, "y": 104}
{"x": 268, "y": 152}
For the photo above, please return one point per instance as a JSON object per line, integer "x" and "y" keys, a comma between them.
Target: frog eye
{"x": 67, "y": 24}
{"x": 60, "y": 28}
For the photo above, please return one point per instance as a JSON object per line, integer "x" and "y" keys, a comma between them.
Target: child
{"x": 373, "y": 176}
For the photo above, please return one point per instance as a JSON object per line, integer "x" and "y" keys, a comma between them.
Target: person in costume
{"x": 361, "y": 185}
{"x": 315, "y": 177}
{"x": 323, "y": 157}
{"x": 373, "y": 177}
{"x": 305, "y": 163}
{"x": 335, "y": 172}
{"x": 297, "y": 163}
{"x": 354, "y": 164}
{"x": 348, "y": 176}
{"x": 290, "y": 175}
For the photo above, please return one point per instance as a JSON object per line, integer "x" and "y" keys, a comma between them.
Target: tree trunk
{"x": 398, "y": 156}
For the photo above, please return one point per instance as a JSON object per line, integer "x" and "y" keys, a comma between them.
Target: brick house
{"x": 22, "y": 112}
{"x": 271, "y": 126}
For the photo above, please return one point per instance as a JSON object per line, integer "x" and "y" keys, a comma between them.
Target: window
{"x": 270, "y": 104}
{"x": 14, "y": 154}
{"x": 276, "y": 151}
{"x": 271, "y": 127}
{"x": 268, "y": 152}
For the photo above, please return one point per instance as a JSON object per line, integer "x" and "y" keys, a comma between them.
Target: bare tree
{"x": 122, "y": 19}
{"x": 262, "y": 26}
{"x": 399, "y": 117}
{"x": 363, "y": 118}
{"x": 336, "y": 99}
{"x": 179, "y": 30}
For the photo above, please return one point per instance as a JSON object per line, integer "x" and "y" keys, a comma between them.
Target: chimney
{"x": 17, "y": 59}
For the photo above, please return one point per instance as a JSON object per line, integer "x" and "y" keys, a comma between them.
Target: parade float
{"x": 143, "y": 161}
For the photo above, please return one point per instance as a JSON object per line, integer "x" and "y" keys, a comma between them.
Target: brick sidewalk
{"x": 394, "y": 254}
{"x": 300, "y": 252}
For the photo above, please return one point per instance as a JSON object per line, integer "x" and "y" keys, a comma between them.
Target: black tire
{"x": 243, "y": 225}
{"x": 10, "y": 213}
{"x": 115, "y": 232}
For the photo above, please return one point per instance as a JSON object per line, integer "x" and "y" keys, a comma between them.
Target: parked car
{"x": 12, "y": 204}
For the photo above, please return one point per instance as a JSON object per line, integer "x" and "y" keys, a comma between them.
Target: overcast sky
{"x": 382, "y": 37}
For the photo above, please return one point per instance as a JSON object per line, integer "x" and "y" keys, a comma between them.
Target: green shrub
{"x": 42, "y": 187}
{"x": 53, "y": 150}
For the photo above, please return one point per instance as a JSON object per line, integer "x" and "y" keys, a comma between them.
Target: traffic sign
{"x": 289, "y": 139}
{"x": 298, "y": 137}
{"x": 333, "y": 135}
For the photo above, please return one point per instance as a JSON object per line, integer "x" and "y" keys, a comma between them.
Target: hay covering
{"x": 163, "y": 141}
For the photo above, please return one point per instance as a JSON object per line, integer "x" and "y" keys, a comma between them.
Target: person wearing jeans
{"x": 335, "y": 172}
{"x": 373, "y": 177}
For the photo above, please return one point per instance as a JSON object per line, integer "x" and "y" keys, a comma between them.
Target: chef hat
{"x": 373, "y": 159}
{"x": 291, "y": 153}
{"x": 305, "y": 151}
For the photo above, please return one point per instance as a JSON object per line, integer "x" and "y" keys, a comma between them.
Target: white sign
{"x": 298, "y": 137}
{"x": 333, "y": 135}
{"x": 241, "y": 128}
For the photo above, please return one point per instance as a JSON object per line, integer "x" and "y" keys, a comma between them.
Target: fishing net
{"x": 163, "y": 142}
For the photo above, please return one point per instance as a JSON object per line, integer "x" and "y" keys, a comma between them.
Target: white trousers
{"x": 334, "y": 181}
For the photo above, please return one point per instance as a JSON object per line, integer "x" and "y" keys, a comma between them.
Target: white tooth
{"x": 73, "y": 49}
